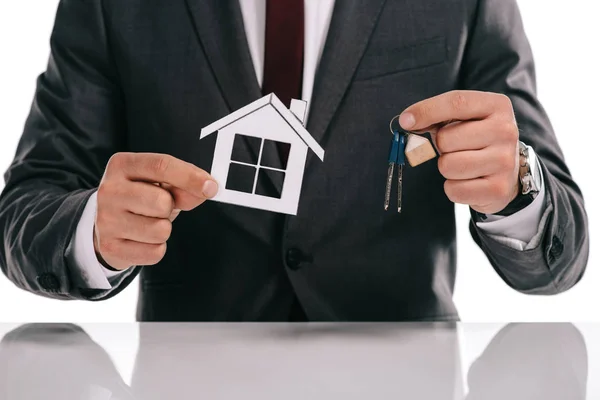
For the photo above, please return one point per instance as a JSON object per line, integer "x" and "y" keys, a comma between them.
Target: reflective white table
{"x": 296, "y": 361}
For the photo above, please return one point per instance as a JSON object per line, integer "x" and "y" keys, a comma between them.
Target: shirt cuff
{"x": 521, "y": 230}
{"x": 90, "y": 273}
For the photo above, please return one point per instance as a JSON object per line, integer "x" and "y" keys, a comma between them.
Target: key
{"x": 396, "y": 159}
{"x": 400, "y": 163}
{"x": 406, "y": 146}
{"x": 388, "y": 187}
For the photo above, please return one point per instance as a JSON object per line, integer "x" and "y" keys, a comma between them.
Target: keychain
{"x": 396, "y": 159}
{"x": 406, "y": 146}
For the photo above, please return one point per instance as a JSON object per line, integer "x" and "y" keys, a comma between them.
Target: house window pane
{"x": 246, "y": 149}
{"x": 270, "y": 183}
{"x": 275, "y": 154}
{"x": 241, "y": 178}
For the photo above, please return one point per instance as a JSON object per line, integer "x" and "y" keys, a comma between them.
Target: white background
{"x": 565, "y": 38}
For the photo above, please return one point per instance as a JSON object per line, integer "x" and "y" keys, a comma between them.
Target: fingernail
{"x": 407, "y": 120}
{"x": 210, "y": 189}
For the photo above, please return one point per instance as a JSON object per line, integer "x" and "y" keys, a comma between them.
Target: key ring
{"x": 409, "y": 133}
{"x": 396, "y": 118}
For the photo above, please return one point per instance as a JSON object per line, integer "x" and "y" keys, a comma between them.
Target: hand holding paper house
{"x": 261, "y": 154}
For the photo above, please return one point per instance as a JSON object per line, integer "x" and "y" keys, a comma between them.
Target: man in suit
{"x": 110, "y": 157}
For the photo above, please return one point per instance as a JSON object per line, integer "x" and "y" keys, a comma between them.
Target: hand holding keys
{"x": 405, "y": 146}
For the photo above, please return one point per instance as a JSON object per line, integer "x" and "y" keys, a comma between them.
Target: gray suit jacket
{"x": 145, "y": 76}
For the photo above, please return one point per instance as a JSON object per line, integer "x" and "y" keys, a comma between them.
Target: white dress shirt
{"x": 519, "y": 231}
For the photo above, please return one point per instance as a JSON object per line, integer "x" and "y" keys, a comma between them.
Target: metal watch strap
{"x": 529, "y": 183}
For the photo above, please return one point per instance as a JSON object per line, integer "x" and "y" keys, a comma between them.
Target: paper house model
{"x": 260, "y": 155}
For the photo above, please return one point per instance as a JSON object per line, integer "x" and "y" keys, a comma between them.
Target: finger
{"x": 487, "y": 195}
{"x": 128, "y": 253}
{"x": 137, "y": 197}
{"x": 452, "y": 106}
{"x": 460, "y": 136}
{"x": 163, "y": 168}
{"x": 474, "y": 192}
{"x": 137, "y": 228}
{"x": 184, "y": 201}
{"x": 472, "y": 164}
{"x": 174, "y": 215}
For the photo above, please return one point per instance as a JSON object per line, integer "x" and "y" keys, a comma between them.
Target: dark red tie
{"x": 284, "y": 62}
{"x": 284, "y": 49}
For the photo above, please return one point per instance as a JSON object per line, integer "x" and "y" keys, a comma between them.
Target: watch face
{"x": 528, "y": 171}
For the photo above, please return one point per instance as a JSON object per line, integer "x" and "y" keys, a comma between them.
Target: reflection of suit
{"x": 145, "y": 76}
{"x": 532, "y": 362}
{"x": 57, "y": 361}
{"x": 523, "y": 362}
{"x": 419, "y": 361}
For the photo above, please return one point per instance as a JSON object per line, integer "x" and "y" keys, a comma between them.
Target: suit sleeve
{"x": 498, "y": 58}
{"x": 75, "y": 125}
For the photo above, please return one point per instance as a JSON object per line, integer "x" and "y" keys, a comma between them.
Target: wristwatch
{"x": 529, "y": 173}
{"x": 529, "y": 178}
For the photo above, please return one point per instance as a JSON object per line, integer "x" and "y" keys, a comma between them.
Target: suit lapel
{"x": 352, "y": 24}
{"x": 220, "y": 28}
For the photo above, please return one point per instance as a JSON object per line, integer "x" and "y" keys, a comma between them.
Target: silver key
{"x": 396, "y": 159}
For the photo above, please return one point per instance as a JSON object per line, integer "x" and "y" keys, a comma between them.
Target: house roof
{"x": 273, "y": 100}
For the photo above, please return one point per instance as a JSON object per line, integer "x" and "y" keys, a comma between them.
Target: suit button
{"x": 294, "y": 259}
{"x": 49, "y": 282}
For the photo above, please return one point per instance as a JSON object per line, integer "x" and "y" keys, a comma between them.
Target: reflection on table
{"x": 57, "y": 361}
{"x": 349, "y": 361}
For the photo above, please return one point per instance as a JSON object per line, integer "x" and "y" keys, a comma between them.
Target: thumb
{"x": 184, "y": 201}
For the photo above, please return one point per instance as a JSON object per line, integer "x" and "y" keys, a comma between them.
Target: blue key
{"x": 396, "y": 158}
